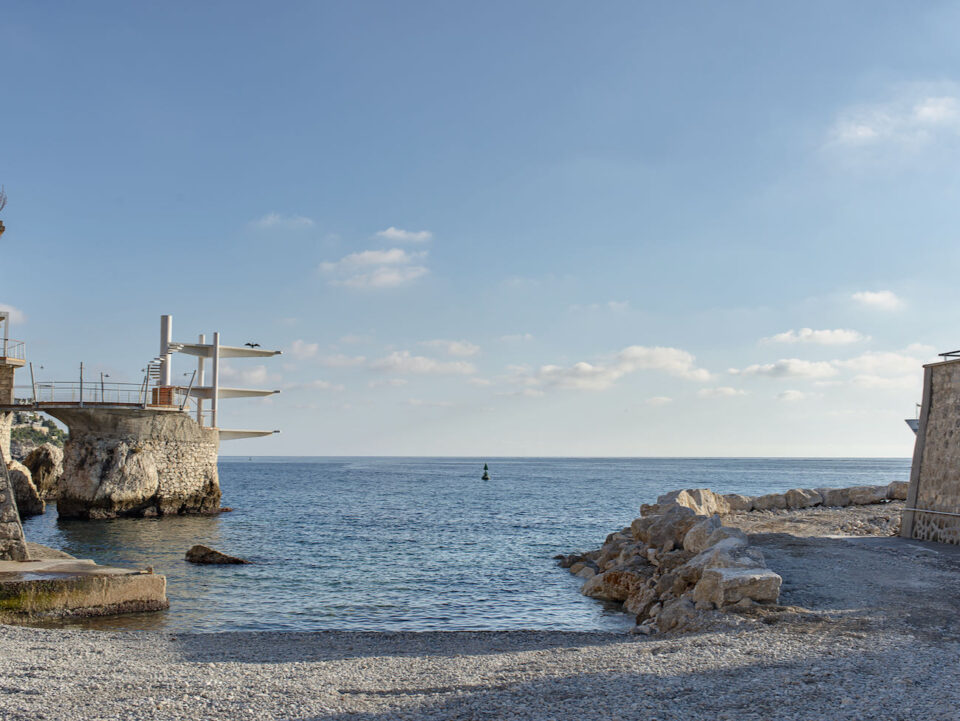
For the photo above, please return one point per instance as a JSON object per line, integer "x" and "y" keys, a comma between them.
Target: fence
{"x": 102, "y": 393}
{"x": 15, "y": 349}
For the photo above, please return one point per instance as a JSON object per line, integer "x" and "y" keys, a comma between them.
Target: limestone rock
{"x": 676, "y": 615}
{"x": 728, "y": 553}
{"x": 46, "y": 466}
{"x": 666, "y": 530}
{"x": 837, "y": 497}
{"x": 770, "y": 502}
{"x": 865, "y": 495}
{"x": 612, "y": 585}
{"x": 205, "y": 554}
{"x": 640, "y": 601}
{"x": 695, "y": 539}
{"x": 701, "y": 501}
{"x": 736, "y": 502}
{"x": 723, "y": 533}
{"x": 28, "y": 500}
{"x": 897, "y": 490}
{"x": 725, "y": 586}
{"x": 803, "y": 498}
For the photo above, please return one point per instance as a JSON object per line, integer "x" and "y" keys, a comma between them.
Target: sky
{"x": 496, "y": 229}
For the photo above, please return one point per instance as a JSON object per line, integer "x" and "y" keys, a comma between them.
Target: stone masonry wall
{"x": 935, "y": 476}
{"x": 136, "y": 462}
{"x": 6, "y": 424}
{"x": 12, "y": 543}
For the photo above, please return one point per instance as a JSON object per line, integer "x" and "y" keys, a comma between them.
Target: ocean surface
{"x": 412, "y": 543}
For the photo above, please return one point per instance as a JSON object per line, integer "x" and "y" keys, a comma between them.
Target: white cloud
{"x": 515, "y": 337}
{"x": 790, "y": 396}
{"x": 460, "y": 348}
{"x": 302, "y": 350}
{"x": 882, "y": 363}
{"x": 875, "y": 382}
{"x": 319, "y": 385}
{"x": 838, "y": 336}
{"x": 376, "y": 268}
{"x": 658, "y": 401}
{"x": 16, "y": 315}
{"x": 397, "y": 235}
{"x": 721, "y": 392}
{"x": 789, "y": 368}
{"x": 257, "y": 375}
{"x": 404, "y": 362}
{"x": 340, "y": 360}
{"x": 600, "y": 376}
{"x": 428, "y": 404}
{"x": 880, "y": 299}
{"x": 920, "y": 116}
{"x": 285, "y": 222}
{"x": 480, "y": 382}
{"x": 392, "y": 382}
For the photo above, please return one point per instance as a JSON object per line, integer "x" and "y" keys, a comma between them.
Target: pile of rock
{"x": 675, "y": 562}
{"x": 793, "y": 499}
{"x": 36, "y": 479}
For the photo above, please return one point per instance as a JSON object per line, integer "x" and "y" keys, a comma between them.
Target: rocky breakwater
{"x": 45, "y": 463}
{"x": 136, "y": 462}
{"x": 675, "y": 563}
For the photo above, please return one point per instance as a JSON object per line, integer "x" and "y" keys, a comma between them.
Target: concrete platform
{"x": 71, "y": 587}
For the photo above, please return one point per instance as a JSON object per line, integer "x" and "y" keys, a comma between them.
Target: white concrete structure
{"x": 198, "y": 388}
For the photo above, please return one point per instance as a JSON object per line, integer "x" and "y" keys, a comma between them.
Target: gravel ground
{"x": 869, "y": 629}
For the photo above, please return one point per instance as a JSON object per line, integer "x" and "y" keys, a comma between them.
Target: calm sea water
{"x": 412, "y": 543}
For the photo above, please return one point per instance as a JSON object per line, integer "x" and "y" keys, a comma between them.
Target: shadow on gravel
{"x": 856, "y": 684}
{"x": 292, "y": 647}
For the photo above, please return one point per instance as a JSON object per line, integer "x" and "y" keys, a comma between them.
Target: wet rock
{"x": 205, "y": 554}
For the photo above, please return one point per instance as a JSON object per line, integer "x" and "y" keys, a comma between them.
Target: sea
{"x": 412, "y": 544}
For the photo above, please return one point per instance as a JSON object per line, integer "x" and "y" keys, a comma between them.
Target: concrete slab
{"x": 68, "y": 587}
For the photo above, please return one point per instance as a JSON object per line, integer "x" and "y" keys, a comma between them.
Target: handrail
{"x": 10, "y": 348}
{"x": 73, "y": 392}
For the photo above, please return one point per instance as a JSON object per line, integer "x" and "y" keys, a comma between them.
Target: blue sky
{"x": 540, "y": 228}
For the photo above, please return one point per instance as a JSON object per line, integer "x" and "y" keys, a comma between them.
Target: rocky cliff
{"x": 136, "y": 462}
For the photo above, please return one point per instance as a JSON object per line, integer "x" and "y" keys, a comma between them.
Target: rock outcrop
{"x": 28, "y": 499}
{"x": 136, "y": 462}
{"x": 46, "y": 466}
{"x": 206, "y": 555}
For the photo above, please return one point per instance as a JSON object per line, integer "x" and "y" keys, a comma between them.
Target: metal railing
{"x": 10, "y": 348}
{"x": 101, "y": 393}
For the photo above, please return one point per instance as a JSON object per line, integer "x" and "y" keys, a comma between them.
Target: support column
{"x": 201, "y": 381}
{"x": 215, "y": 400}
{"x": 166, "y": 337}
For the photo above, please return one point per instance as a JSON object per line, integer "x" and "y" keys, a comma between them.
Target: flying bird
{"x": 253, "y": 345}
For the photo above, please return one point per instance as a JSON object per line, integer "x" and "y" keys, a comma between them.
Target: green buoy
{"x": 486, "y": 475}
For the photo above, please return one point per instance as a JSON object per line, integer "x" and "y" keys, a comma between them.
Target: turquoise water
{"x": 412, "y": 543}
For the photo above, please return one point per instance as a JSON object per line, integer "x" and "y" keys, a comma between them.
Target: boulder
{"x": 701, "y": 501}
{"x": 46, "y": 466}
{"x": 897, "y": 490}
{"x": 835, "y": 497}
{"x": 28, "y": 500}
{"x": 585, "y": 572}
{"x": 803, "y": 498}
{"x": 736, "y": 502}
{"x": 865, "y": 495}
{"x": 728, "y": 553}
{"x": 723, "y": 533}
{"x": 665, "y": 530}
{"x": 696, "y": 538}
{"x": 640, "y": 601}
{"x": 676, "y": 614}
{"x": 770, "y": 502}
{"x": 725, "y": 586}
{"x": 205, "y": 554}
{"x": 612, "y": 585}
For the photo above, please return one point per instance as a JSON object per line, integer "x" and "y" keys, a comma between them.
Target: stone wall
{"x": 6, "y": 425}
{"x": 136, "y": 462}
{"x": 934, "y": 492}
{"x": 13, "y": 546}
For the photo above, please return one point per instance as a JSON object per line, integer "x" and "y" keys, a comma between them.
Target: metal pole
{"x": 186, "y": 398}
{"x": 215, "y": 399}
{"x": 200, "y": 381}
{"x": 81, "y": 384}
{"x": 101, "y": 386}
{"x": 33, "y": 384}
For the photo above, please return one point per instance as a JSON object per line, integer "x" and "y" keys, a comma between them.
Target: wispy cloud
{"x": 460, "y": 348}
{"x": 790, "y": 396}
{"x": 398, "y": 235}
{"x": 376, "y": 268}
{"x": 16, "y": 315}
{"x": 428, "y": 404}
{"x": 879, "y": 299}
{"x": 302, "y": 350}
{"x": 721, "y": 392}
{"x": 391, "y": 382}
{"x": 256, "y": 375}
{"x": 915, "y": 117}
{"x": 600, "y": 376}
{"x": 516, "y": 337}
{"x": 658, "y": 401}
{"x": 838, "y": 336}
{"x": 404, "y": 363}
{"x": 789, "y": 368}
{"x": 315, "y": 385}
{"x": 284, "y": 222}
{"x": 340, "y": 360}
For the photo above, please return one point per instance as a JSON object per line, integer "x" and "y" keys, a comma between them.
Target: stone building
{"x": 932, "y": 511}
